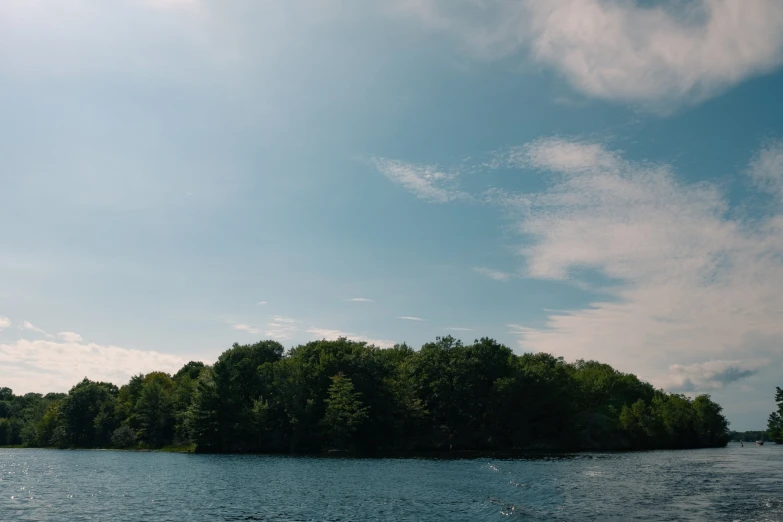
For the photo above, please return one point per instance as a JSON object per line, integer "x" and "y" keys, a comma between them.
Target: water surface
{"x": 733, "y": 483}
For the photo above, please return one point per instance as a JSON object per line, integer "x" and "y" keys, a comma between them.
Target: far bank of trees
{"x": 747, "y": 436}
{"x": 345, "y": 395}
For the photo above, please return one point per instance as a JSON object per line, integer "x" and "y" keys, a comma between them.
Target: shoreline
{"x": 539, "y": 454}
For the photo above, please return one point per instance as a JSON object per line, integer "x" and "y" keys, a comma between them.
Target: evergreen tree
{"x": 344, "y": 411}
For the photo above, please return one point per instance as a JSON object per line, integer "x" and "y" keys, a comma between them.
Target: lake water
{"x": 715, "y": 484}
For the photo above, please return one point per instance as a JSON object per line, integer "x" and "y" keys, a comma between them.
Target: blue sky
{"x": 591, "y": 178}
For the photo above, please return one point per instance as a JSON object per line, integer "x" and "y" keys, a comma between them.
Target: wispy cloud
{"x": 659, "y": 56}
{"x": 262, "y": 303}
{"x": 280, "y": 327}
{"x": 766, "y": 167}
{"x": 690, "y": 281}
{"x": 70, "y": 337}
{"x": 497, "y": 275}
{"x": 456, "y": 329}
{"x": 425, "y": 181}
{"x": 410, "y": 318}
{"x": 360, "y": 300}
{"x": 679, "y": 278}
{"x": 27, "y": 325}
{"x": 331, "y": 334}
{"x": 4, "y": 322}
{"x": 242, "y": 327}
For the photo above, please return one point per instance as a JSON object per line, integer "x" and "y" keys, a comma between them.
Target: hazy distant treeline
{"x": 349, "y": 396}
{"x": 747, "y": 436}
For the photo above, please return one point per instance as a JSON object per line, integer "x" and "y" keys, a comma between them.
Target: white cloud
{"x": 659, "y": 56}
{"x": 689, "y": 282}
{"x": 493, "y": 274}
{"x": 46, "y": 365}
{"x": 4, "y": 322}
{"x": 280, "y": 327}
{"x": 681, "y": 279}
{"x": 360, "y": 300}
{"x": 563, "y": 155}
{"x": 262, "y": 303}
{"x": 766, "y": 168}
{"x": 331, "y": 335}
{"x": 245, "y": 328}
{"x": 410, "y": 318}
{"x": 425, "y": 181}
{"x": 456, "y": 329}
{"x": 70, "y": 337}
{"x": 27, "y": 325}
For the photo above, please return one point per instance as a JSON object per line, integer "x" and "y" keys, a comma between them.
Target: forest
{"x": 346, "y": 396}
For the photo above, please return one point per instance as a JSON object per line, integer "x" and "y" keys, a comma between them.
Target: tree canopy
{"x": 347, "y": 395}
{"x": 775, "y": 422}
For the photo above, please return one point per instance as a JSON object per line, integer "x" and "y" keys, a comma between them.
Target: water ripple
{"x": 740, "y": 484}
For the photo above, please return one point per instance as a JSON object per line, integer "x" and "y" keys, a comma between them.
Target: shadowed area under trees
{"x": 345, "y": 395}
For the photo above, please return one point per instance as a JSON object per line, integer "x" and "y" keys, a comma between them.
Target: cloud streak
{"x": 242, "y": 327}
{"x": 426, "y": 182}
{"x": 497, "y": 275}
{"x": 27, "y": 325}
{"x": 410, "y": 318}
{"x": 281, "y": 328}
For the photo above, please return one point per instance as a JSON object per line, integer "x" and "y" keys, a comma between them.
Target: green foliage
{"x": 87, "y": 414}
{"x": 775, "y": 422}
{"x": 123, "y": 437}
{"x": 155, "y": 409}
{"x": 349, "y": 395}
{"x": 344, "y": 411}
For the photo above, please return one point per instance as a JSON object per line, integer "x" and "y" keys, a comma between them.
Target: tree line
{"x": 746, "y": 436}
{"x": 350, "y": 396}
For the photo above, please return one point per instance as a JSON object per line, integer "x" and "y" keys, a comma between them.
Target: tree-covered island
{"x": 345, "y": 395}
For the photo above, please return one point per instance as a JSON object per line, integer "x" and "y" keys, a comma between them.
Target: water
{"x": 716, "y": 484}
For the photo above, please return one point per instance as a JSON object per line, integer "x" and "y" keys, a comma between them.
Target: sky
{"x": 596, "y": 179}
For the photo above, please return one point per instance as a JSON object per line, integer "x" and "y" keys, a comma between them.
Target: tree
{"x": 123, "y": 437}
{"x": 155, "y": 409}
{"x": 712, "y": 429}
{"x": 238, "y": 385}
{"x": 775, "y": 427}
{"x": 202, "y": 420}
{"x": 88, "y": 414}
{"x": 344, "y": 411}
{"x": 775, "y": 422}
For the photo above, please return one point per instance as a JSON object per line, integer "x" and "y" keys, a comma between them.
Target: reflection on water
{"x": 714, "y": 484}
